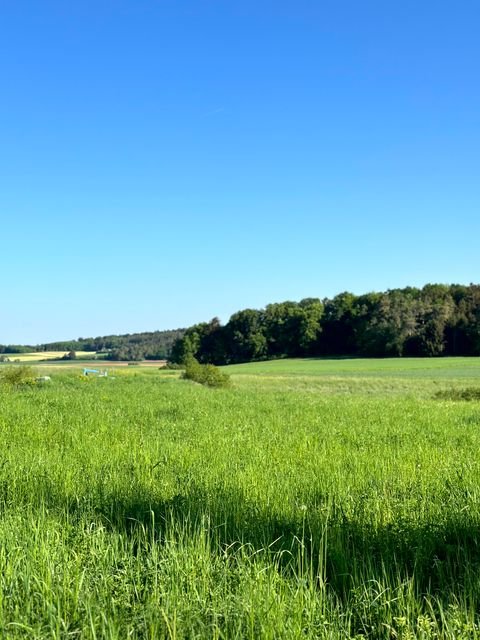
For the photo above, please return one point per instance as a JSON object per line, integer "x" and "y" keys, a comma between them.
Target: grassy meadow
{"x": 312, "y": 499}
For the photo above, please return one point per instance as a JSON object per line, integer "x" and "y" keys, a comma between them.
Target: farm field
{"x": 312, "y": 499}
{"x": 53, "y": 359}
{"x": 433, "y": 368}
{"x": 39, "y": 356}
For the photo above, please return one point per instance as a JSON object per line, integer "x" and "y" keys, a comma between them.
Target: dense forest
{"x": 153, "y": 345}
{"x": 436, "y": 320}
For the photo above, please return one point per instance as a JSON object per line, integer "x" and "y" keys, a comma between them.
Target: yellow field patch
{"x": 43, "y": 355}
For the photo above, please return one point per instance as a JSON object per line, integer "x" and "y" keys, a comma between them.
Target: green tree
{"x": 190, "y": 344}
{"x": 435, "y": 312}
{"x": 390, "y": 321}
{"x": 245, "y": 336}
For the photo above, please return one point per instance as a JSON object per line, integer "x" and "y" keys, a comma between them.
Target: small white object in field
{"x": 43, "y": 379}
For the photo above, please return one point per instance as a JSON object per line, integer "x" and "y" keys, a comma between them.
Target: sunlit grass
{"x": 288, "y": 506}
{"x": 390, "y": 367}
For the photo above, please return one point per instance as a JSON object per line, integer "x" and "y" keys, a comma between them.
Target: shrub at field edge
{"x": 18, "y": 376}
{"x": 206, "y": 374}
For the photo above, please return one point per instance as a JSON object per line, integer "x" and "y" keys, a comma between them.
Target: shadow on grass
{"x": 319, "y": 545}
{"x": 444, "y": 558}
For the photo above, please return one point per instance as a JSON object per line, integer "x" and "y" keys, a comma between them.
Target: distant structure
{"x": 95, "y": 372}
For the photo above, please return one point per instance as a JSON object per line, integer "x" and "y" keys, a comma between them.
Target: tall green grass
{"x": 287, "y": 506}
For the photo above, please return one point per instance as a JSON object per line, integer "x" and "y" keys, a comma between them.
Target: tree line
{"x": 150, "y": 345}
{"x": 15, "y": 348}
{"x": 437, "y": 320}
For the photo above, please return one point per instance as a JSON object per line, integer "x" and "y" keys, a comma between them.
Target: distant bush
{"x": 468, "y": 394}
{"x": 207, "y": 374}
{"x": 18, "y": 376}
{"x": 173, "y": 366}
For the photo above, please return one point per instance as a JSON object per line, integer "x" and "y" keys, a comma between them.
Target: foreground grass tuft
{"x": 17, "y": 376}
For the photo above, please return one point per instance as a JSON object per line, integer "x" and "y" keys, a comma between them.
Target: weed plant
{"x": 17, "y": 376}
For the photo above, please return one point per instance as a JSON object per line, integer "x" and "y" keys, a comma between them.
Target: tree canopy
{"x": 433, "y": 321}
{"x": 436, "y": 320}
{"x": 151, "y": 345}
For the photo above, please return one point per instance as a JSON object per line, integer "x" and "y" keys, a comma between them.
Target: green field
{"x": 432, "y": 368}
{"x": 312, "y": 499}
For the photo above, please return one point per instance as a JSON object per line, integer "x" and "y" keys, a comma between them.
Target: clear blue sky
{"x": 164, "y": 162}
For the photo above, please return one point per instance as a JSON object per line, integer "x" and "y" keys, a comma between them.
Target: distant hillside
{"x": 150, "y": 345}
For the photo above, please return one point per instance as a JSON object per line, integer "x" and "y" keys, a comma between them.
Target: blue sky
{"x": 164, "y": 162}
